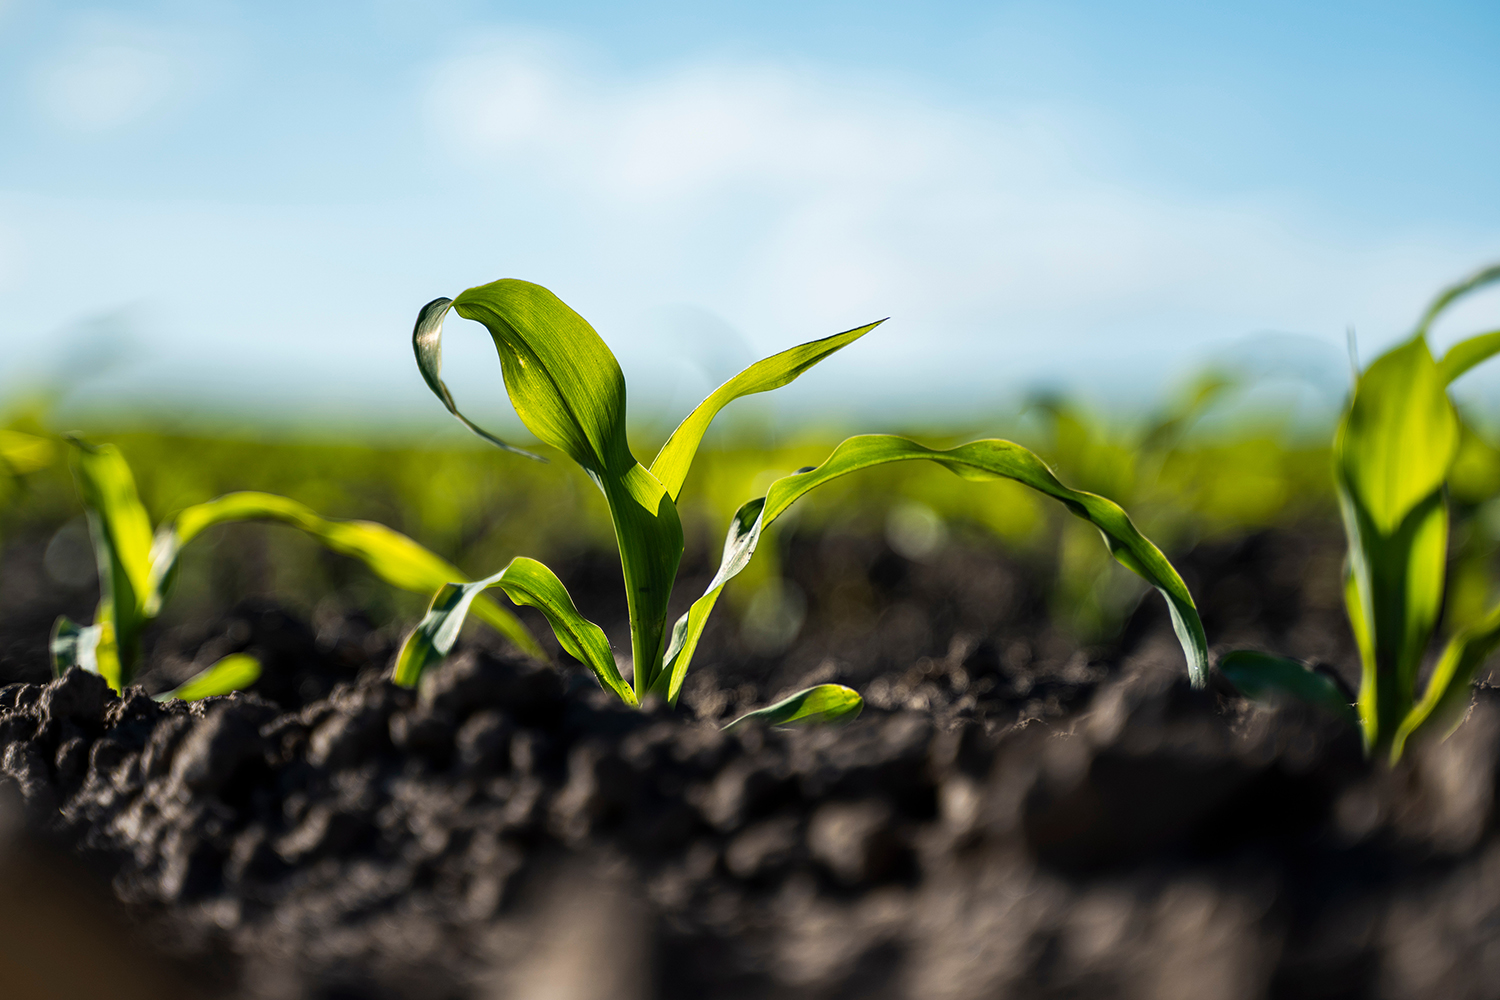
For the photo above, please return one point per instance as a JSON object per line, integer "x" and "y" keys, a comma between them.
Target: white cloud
{"x": 786, "y": 198}
{"x": 111, "y": 74}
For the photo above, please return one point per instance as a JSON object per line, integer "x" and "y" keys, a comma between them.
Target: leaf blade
{"x": 1399, "y": 436}
{"x": 675, "y": 458}
{"x": 1448, "y": 688}
{"x": 1473, "y": 283}
{"x": 564, "y": 383}
{"x": 819, "y": 704}
{"x": 234, "y": 672}
{"x": 987, "y": 459}
{"x": 1467, "y": 353}
{"x": 1259, "y": 676}
{"x": 395, "y": 558}
{"x": 121, "y": 533}
{"x": 524, "y": 581}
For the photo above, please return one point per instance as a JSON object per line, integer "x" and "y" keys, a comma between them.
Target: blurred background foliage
{"x": 1185, "y": 478}
{"x": 479, "y": 507}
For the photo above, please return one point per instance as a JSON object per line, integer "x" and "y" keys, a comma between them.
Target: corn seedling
{"x": 569, "y": 391}
{"x": 137, "y": 568}
{"x": 1394, "y": 453}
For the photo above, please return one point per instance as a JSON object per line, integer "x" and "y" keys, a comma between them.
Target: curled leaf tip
{"x": 427, "y": 344}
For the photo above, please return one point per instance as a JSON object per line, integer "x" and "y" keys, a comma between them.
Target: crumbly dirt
{"x": 1013, "y": 816}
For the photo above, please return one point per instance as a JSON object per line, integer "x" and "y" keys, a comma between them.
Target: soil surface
{"x": 1014, "y": 815}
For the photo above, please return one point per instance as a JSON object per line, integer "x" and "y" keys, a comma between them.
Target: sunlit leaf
{"x": 676, "y": 456}
{"x": 978, "y": 460}
{"x": 233, "y": 673}
{"x": 1448, "y": 690}
{"x": 1263, "y": 677}
{"x": 821, "y": 704}
{"x": 1467, "y": 353}
{"x": 392, "y": 556}
{"x": 21, "y": 453}
{"x": 525, "y": 581}
{"x": 121, "y": 532}
{"x": 1399, "y": 437}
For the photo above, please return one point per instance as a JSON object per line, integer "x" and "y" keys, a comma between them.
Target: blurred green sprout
{"x": 137, "y": 568}
{"x": 1394, "y": 453}
{"x": 568, "y": 390}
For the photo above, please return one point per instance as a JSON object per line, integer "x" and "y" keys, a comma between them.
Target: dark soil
{"x": 1015, "y": 815}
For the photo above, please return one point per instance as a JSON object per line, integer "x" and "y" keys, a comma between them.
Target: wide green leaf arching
{"x": 568, "y": 390}
{"x": 823, "y": 703}
{"x": 1261, "y": 677}
{"x": 392, "y": 556}
{"x": 524, "y": 581}
{"x": 978, "y": 460}
{"x": 676, "y": 456}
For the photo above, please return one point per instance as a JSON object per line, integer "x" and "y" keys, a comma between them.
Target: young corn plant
{"x": 1393, "y": 454}
{"x": 137, "y": 568}
{"x": 569, "y": 392}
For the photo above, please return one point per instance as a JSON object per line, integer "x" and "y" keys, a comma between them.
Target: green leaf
{"x": 1393, "y": 452}
{"x": 74, "y": 645}
{"x": 980, "y": 461}
{"x": 427, "y": 343}
{"x": 21, "y": 453}
{"x": 121, "y": 531}
{"x": 824, "y": 703}
{"x": 1448, "y": 690}
{"x": 1261, "y": 677}
{"x": 1467, "y": 353}
{"x": 568, "y": 390}
{"x": 1393, "y": 594}
{"x": 1397, "y": 441}
{"x": 676, "y": 456}
{"x": 525, "y": 581}
{"x": 233, "y": 673}
{"x": 563, "y": 381}
{"x": 392, "y": 556}
{"x": 1451, "y": 294}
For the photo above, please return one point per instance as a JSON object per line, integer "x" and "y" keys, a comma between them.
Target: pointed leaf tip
{"x": 823, "y": 703}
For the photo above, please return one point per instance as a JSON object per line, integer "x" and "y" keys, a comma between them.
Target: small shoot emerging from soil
{"x": 234, "y": 672}
{"x": 569, "y": 391}
{"x": 824, "y": 703}
{"x": 1393, "y": 453}
{"x": 137, "y": 569}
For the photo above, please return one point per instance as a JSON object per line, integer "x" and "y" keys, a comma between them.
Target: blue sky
{"x": 256, "y": 198}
